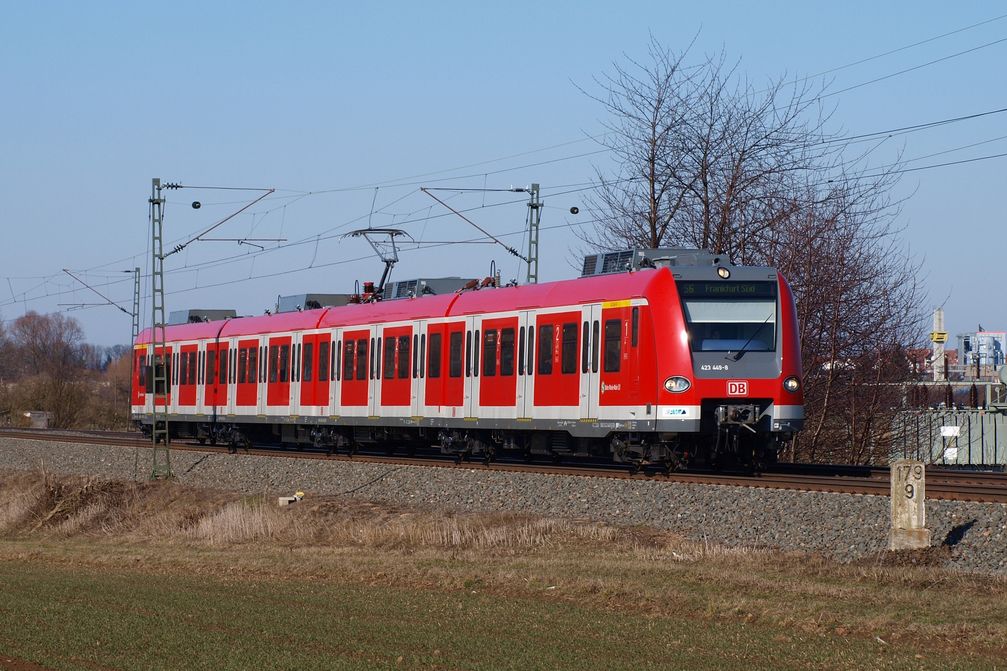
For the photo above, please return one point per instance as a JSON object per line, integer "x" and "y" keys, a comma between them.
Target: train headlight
{"x": 723, "y": 272}
{"x": 677, "y": 384}
{"x": 792, "y": 384}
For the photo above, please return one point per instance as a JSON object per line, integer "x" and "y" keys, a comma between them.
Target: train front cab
{"x": 731, "y": 392}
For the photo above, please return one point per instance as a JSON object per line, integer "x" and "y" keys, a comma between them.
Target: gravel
{"x": 842, "y": 526}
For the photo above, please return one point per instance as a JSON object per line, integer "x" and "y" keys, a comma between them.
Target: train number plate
{"x": 737, "y": 388}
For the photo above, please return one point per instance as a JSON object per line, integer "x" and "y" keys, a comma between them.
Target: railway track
{"x": 945, "y": 484}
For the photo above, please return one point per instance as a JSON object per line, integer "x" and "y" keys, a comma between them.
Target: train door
{"x": 223, "y": 377}
{"x": 245, "y": 395}
{"x": 278, "y": 373}
{"x": 626, "y": 376}
{"x": 525, "y": 366}
{"x": 139, "y": 394}
{"x": 185, "y": 374}
{"x": 353, "y": 388}
{"x": 374, "y": 360}
{"x": 305, "y": 371}
{"x": 590, "y": 361}
{"x": 417, "y": 397}
{"x": 322, "y": 372}
{"x": 335, "y": 370}
{"x": 497, "y": 396}
{"x": 262, "y": 375}
{"x": 159, "y": 358}
{"x": 436, "y": 369}
{"x": 557, "y": 384}
{"x": 473, "y": 337}
{"x": 315, "y": 350}
{"x": 395, "y": 384}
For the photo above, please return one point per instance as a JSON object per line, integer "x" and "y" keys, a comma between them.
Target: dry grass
{"x": 45, "y": 506}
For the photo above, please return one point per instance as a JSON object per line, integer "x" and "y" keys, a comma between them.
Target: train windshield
{"x": 730, "y": 316}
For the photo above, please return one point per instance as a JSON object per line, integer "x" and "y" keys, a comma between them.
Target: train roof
{"x": 532, "y": 296}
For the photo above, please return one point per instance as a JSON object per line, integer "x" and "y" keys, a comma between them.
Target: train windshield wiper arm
{"x": 744, "y": 348}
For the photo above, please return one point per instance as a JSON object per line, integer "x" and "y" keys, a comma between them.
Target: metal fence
{"x": 971, "y": 438}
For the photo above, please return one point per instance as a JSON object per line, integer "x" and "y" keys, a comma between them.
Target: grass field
{"x": 156, "y": 576}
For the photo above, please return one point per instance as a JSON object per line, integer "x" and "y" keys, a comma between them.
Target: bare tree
{"x": 48, "y": 349}
{"x": 708, "y": 160}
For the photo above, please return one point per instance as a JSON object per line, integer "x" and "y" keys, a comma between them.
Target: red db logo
{"x": 737, "y": 388}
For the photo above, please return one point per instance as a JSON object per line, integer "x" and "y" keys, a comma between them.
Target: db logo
{"x": 737, "y": 388}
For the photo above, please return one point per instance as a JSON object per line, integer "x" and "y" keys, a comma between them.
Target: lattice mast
{"x": 159, "y": 361}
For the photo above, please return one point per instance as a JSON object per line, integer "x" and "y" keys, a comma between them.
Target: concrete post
{"x": 909, "y": 515}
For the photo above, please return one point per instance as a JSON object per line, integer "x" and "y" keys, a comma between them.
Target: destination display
{"x": 727, "y": 289}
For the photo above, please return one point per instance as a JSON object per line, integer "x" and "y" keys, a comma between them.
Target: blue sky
{"x": 309, "y": 97}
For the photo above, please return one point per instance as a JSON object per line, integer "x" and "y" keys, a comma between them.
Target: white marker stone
{"x": 909, "y": 515}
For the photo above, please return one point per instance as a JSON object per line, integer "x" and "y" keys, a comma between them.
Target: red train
{"x": 693, "y": 361}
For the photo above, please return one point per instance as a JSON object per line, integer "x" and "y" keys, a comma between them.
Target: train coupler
{"x": 742, "y": 415}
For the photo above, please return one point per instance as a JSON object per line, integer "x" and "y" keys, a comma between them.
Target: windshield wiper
{"x": 744, "y": 348}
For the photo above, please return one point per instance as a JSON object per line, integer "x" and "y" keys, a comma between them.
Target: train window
{"x": 520, "y": 351}
{"x": 568, "y": 354}
{"x": 434, "y": 360}
{"x": 362, "y": 358}
{"x": 263, "y": 362}
{"x": 323, "y": 361}
{"x": 211, "y": 366}
{"x": 273, "y": 362}
{"x": 545, "y": 334}
{"x": 389, "y": 363}
{"x": 234, "y": 365}
{"x": 141, "y": 368}
{"x": 531, "y": 350}
{"x": 242, "y": 365}
{"x": 468, "y": 353}
{"x": 584, "y": 348}
{"x": 284, "y": 363}
{"x": 490, "y": 353}
{"x": 296, "y": 367}
{"x": 184, "y": 369}
{"x": 404, "y": 357}
{"x": 507, "y": 352}
{"x": 423, "y": 352}
{"x": 475, "y": 355}
{"x": 377, "y": 359}
{"x": 635, "y": 327}
{"x": 613, "y": 345}
{"x": 348, "y": 361}
{"x": 455, "y": 354}
{"x": 253, "y": 364}
{"x": 415, "y": 354}
{"x": 222, "y": 360}
{"x": 309, "y": 361}
{"x": 174, "y": 373}
{"x": 371, "y": 366}
{"x": 337, "y": 361}
{"x": 595, "y": 345}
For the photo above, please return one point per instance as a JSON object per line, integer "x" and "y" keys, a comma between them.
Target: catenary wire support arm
{"x": 482, "y": 230}
{"x": 108, "y": 301}
{"x": 220, "y": 223}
